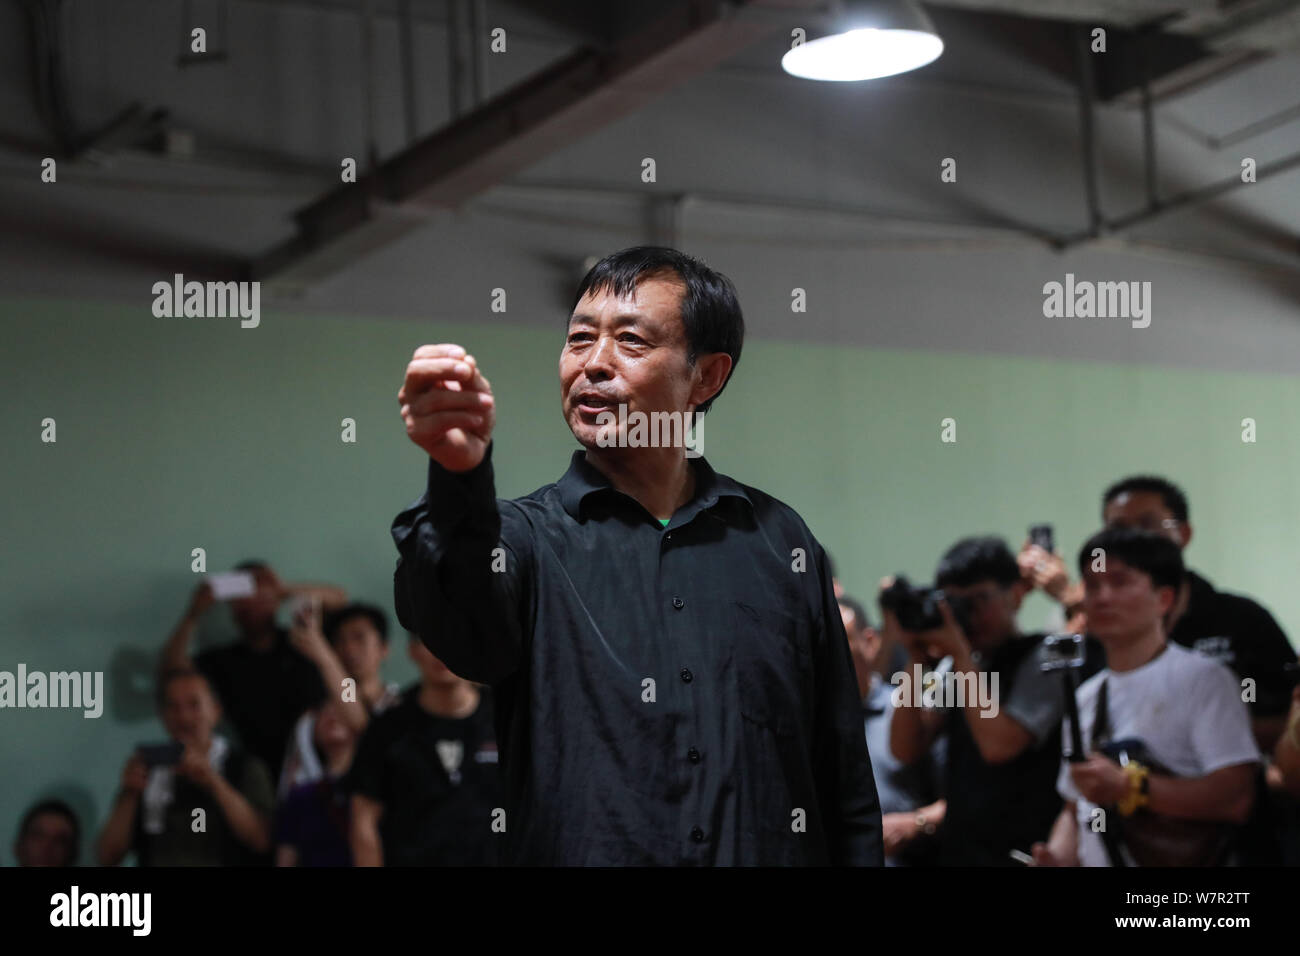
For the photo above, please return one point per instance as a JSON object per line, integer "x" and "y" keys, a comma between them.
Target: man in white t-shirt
{"x": 1185, "y": 707}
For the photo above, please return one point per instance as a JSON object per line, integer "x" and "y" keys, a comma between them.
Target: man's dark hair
{"x": 174, "y": 674}
{"x": 335, "y": 620}
{"x": 972, "y": 560}
{"x": 1153, "y": 554}
{"x": 710, "y": 307}
{"x": 252, "y": 564}
{"x": 59, "y": 808}
{"x": 859, "y": 613}
{"x": 1169, "y": 493}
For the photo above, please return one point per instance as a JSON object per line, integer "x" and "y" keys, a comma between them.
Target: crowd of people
{"x": 288, "y": 747}
{"x": 1187, "y": 749}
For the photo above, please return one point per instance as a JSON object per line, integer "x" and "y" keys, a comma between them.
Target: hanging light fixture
{"x": 867, "y": 39}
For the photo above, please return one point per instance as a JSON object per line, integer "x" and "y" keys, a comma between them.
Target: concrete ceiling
{"x": 158, "y": 148}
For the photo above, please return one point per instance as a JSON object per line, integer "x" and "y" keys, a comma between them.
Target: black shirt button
{"x": 678, "y": 603}
{"x": 694, "y": 755}
{"x": 697, "y": 834}
{"x": 687, "y": 676}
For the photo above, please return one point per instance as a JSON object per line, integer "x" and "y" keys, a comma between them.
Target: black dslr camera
{"x": 917, "y": 608}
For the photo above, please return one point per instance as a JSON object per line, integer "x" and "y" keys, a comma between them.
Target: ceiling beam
{"x": 554, "y": 108}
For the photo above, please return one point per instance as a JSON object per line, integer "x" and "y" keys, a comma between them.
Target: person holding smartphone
{"x": 197, "y": 800}
{"x": 263, "y": 682}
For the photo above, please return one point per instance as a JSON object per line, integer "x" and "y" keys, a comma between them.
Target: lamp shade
{"x": 869, "y": 39}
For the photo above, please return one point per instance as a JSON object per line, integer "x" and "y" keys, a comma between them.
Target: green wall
{"x": 183, "y": 433}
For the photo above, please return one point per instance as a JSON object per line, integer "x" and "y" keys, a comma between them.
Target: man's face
{"x": 864, "y": 642}
{"x": 1121, "y": 603}
{"x": 1145, "y": 511}
{"x": 47, "y": 841}
{"x": 330, "y": 731}
{"x": 360, "y": 648}
{"x": 630, "y": 351}
{"x": 258, "y": 610}
{"x": 190, "y": 711}
{"x": 992, "y": 611}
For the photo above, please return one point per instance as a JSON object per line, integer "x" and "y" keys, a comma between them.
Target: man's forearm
{"x": 367, "y": 850}
{"x": 115, "y": 838}
{"x": 248, "y": 824}
{"x": 1063, "y": 841}
{"x": 1225, "y": 795}
{"x": 907, "y": 733}
{"x": 1267, "y": 731}
{"x": 175, "y": 654}
{"x": 330, "y": 596}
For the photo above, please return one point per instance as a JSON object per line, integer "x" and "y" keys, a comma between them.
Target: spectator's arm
{"x": 115, "y": 839}
{"x": 1268, "y": 731}
{"x": 935, "y": 812}
{"x": 175, "y": 654}
{"x": 1017, "y": 720}
{"x": 912, "y": 730}
{"x": 1226, "y": 794}
{"x": 306, "y": 637}
{"x": 330, "y": 596}
{"x": 367, "y": 849}
{"x": 1062, "y": 846}
{"x": 249, "y": 825}
{"x": 286, "y": 855}
{"x": 452, "y": 586}
{"x": 1286, "y": 755}
{"x": 1000, "y": 738}
{"x": 1225, "y": 749}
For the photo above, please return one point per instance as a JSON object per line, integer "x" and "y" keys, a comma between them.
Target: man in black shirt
{"x": 1234, "y": 630}
{"x": 424, "y": 782}
{"x": 1003, "y": 756}
{"x": 1228, "y": 627}
{"x": 672, "y": 680}
{"x": 263, "y": 683}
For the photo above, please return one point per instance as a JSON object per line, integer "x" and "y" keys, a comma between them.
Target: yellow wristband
{"x": 1137, "y": 788}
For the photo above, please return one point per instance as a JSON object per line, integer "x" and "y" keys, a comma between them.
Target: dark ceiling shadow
{"x": 111, "y": 242}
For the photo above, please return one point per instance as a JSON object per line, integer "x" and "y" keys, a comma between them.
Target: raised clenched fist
{"x": 448, "y": 406}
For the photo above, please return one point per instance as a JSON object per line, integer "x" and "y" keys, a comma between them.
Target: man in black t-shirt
{"x": 1004, "y": 753}
{"x": 424, "y": 781}
{"x": 262, "y": 682}
{"x": 1237, "y": 632}
{"x": 1228, "y": 627}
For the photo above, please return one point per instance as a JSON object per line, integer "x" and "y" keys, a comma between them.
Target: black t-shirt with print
{"x": 1237, "y": 632}
{"x": 438, "y": 783}
{"x": 263, "y": 693}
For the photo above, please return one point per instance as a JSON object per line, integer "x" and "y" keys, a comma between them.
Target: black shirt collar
{"x": 583, "y": 479}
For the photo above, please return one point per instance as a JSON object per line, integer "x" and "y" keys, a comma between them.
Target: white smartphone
{"x": 228, "y": 585}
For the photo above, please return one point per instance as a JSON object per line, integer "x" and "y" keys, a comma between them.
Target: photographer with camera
{"x": 1002, "y": 759}
{"x": 911, "y": 801}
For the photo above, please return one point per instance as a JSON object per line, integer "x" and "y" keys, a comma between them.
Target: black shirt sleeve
{"x": 842, "y": 773}
{"x": 366, "y": 775}
{"x": 1263, "y": 652}
{"x": 462, "y": 572}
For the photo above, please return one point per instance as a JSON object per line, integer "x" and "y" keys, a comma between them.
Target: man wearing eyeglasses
{"x": 1002, "y": 762}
